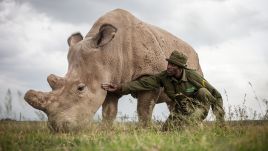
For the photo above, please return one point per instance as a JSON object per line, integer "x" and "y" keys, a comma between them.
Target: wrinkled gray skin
{"x": 118, "y": 48}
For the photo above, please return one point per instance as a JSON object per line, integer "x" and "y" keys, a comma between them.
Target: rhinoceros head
{"x": 75, "y": 98}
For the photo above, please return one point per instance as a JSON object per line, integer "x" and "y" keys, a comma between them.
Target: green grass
{"x": 129, "y": 136}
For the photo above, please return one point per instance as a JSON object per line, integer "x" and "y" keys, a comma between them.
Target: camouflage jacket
{"x": 188, "y": 85}
{"x": 190, "y": 82}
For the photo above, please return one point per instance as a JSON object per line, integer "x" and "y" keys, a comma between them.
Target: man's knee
{"x": 204, "y": 96}
{"x": 202, "y": 92}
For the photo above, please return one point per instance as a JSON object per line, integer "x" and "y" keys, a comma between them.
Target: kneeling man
{"x": 192, "y": 94}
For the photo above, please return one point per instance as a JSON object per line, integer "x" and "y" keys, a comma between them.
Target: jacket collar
{"x": 184, "y": 77}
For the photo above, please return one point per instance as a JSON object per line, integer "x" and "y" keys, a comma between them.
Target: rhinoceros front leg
{"x": 146, "y": 103}
{"x": 109, "y": 108}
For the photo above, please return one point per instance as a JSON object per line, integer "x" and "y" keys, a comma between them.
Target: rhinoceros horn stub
{"x": 55, "y": 82}
{"x": 38, "y": 100}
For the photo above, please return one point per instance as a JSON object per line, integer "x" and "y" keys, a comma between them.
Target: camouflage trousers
{"x": 190, "y": 111}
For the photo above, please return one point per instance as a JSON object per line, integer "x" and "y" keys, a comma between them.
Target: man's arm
{"x": 145, "y": 83}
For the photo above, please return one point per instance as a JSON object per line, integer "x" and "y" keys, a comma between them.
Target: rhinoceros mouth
{"x": 66, "y": 126}
{"x": 59, "y": 127}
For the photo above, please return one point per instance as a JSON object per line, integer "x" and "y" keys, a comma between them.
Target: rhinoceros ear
{"x": 74, "y": 38}
{"x": 105, "y": 35}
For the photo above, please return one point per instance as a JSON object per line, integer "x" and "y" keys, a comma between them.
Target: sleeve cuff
{"x": 124, "y": 88}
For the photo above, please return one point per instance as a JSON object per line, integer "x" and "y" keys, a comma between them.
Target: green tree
{"x": 1, "y": 111}
{"x": 8, "y": 104}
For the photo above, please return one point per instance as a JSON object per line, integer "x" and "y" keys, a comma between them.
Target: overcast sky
{"x": 230, "y": 37}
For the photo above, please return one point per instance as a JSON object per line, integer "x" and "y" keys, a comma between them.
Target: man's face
{"x": 173, "y": 70}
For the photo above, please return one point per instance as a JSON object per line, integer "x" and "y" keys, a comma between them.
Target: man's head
{"x": 176, "y": 63}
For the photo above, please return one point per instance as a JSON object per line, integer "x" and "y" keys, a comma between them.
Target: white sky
{"x": 230, "y": 37}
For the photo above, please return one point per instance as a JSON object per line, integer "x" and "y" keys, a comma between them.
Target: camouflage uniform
{"x": 192, "y": 93}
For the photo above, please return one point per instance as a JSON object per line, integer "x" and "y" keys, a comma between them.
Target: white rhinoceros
{"x": 118, "y": 48}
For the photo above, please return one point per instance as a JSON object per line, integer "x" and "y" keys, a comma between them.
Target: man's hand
{"x": 110, "y": 87}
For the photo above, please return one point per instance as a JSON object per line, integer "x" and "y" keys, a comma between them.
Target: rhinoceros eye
{"x": 81, "y": 87}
